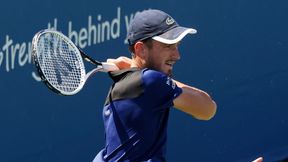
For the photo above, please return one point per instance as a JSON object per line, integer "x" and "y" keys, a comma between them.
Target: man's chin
{"x": 169, "y": 73}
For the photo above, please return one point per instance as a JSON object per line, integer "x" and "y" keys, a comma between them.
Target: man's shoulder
{"x": 127, "y": 84}
{"x": 153, "y": 77}
{"x": 152, "y": 73}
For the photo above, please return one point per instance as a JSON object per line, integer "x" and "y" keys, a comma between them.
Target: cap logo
{"x": 169, "y": 21}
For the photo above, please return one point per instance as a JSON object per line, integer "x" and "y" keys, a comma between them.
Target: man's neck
{"x": 137, "y": 63}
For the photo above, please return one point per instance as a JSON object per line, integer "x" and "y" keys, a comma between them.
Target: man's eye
{"x": 171, "y": 46}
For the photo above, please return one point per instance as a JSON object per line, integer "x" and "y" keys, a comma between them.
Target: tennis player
{"x": 137, "y": 107}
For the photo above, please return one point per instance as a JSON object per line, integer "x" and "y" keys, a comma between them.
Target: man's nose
{"x": 176, "y": 54}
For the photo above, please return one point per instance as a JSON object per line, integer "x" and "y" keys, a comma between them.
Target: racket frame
{"x": 100, "y": 66}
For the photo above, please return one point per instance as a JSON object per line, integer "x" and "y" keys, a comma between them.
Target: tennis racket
{"x": 59, "y": 62}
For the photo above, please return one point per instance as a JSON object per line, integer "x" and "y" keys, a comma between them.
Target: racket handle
{"x": 109, "y": 67}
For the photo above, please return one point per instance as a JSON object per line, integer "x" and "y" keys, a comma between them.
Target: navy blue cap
{"x": 157, "y": 25}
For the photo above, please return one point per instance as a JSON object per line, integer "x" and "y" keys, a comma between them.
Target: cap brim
{"x": 174, "y": 35}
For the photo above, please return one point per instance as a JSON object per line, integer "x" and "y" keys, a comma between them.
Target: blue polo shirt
{"x": 136, "y": 114}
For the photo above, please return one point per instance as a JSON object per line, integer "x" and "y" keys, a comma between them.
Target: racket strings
{"x": 60, "y": 63}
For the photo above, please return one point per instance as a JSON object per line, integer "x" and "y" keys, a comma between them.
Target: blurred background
{"x": 239, "y": 56}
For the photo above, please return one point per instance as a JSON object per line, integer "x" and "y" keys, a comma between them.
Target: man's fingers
{"x": 260, "y": 159}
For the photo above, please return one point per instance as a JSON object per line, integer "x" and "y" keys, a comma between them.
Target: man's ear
{"x": 139, "y": 48}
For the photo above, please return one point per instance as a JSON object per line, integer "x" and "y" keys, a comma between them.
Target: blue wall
{"x": 239, "y": 56}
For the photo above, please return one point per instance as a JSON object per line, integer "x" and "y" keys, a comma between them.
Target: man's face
{"x": 162, "y": 57}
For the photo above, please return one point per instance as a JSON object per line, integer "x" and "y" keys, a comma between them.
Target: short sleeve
{"x": 160, "y": 88}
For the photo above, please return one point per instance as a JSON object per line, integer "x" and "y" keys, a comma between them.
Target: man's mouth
{"x": 170, "y": 63}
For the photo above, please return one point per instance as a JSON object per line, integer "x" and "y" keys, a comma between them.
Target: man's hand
{"x": 121, "y": 62}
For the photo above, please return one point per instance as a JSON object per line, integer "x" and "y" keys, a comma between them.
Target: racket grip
{"x": 109, "y": 67}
